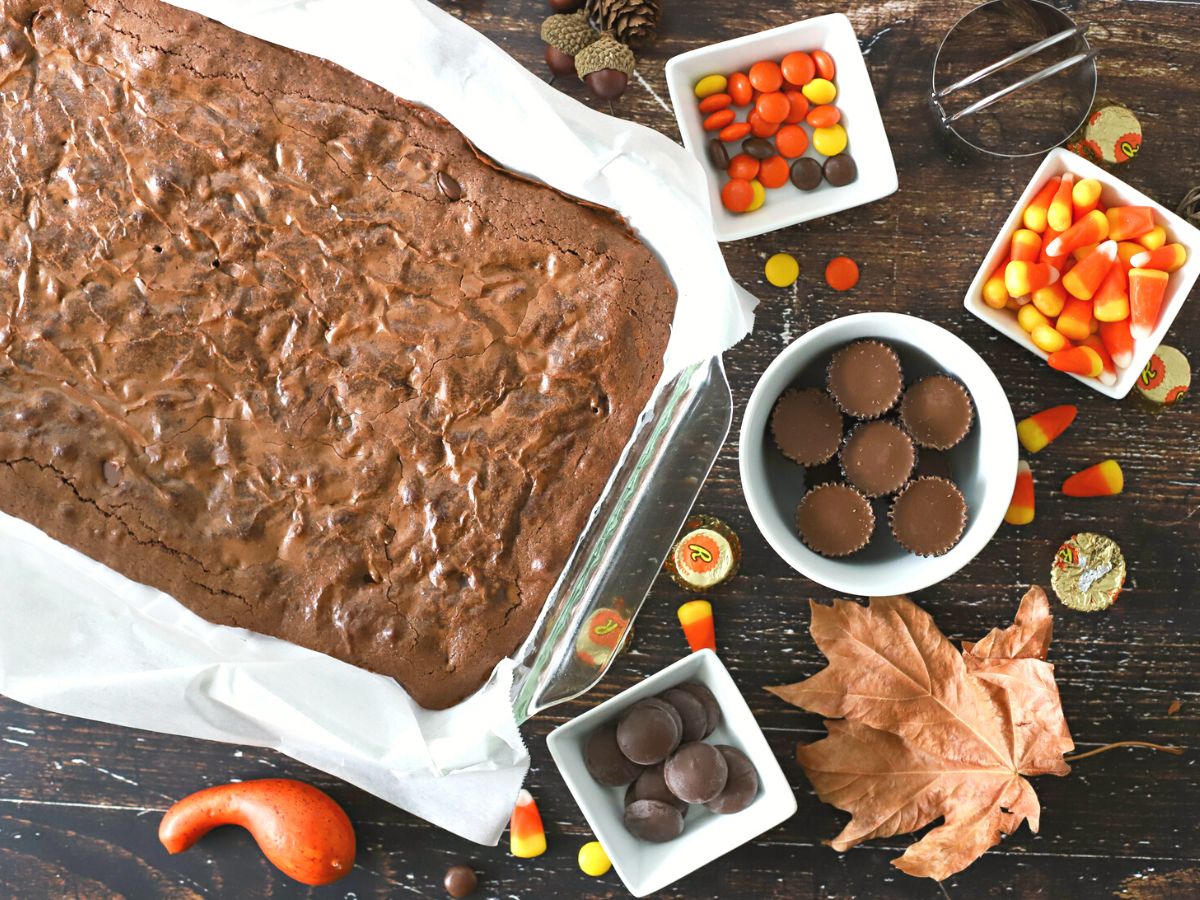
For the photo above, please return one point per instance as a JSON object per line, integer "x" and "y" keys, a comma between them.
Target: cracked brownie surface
{"x": 284, "y": 346}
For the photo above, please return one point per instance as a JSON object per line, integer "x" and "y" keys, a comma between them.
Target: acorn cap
{"x": 606, "y": 53}
{"x": 569, "y": 33}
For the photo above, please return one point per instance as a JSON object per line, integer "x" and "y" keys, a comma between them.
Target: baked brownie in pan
{"x": 286, "y": 347}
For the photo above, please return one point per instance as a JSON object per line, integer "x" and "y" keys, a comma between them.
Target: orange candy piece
{"x": 1169, "y": 258}
{"x": 526, "y": 834}
{"x": 766, "y": 76}
{"x": 743, "y": 166}
{"x": 1091, "y": 229}
{"x": 773, "y": 107}
{"x": 1075, "y": 320}
{"x": 1048, "y": 237}
{"x": 1059, "y": 215}
{"x": 760, "y": 126}
{"x": 1118, "y": 341}
{"x": 740, "y": 89}
{"x": 995, "y": 294}
{"x": 1034, "y": 217}
{"x": 824, "y": 116}
{"x": 1022, "y": 278}
{"x": 825, "y": 65}
{"x": 1111, "y": 301}
{"x": 1101, "y": 480}
{"x": 737, "y": 195}
{"x": 1085, "y": 277}
{"x": 1078, "y": 361}
{"x": 1147, "y": 287}
{"x": 1025, "y": 245}
{"x": 714, "y": 102}
{"x": 1044, "y": 427}
{"x": 1108, "y": 372}
{"x": 696, "y": 619}
{"x": 1050, "y": 300}
{"x": 1085, "y": 196}
{"x": 1125, "y": 222}
{"x": 734, "y": 132}
{"x": 773, "y": 172}
{"x": 718, "y": 120}
{"x": 842, "y": 273}
{"x": 799, "y": 107}
{"x": 1020, "y": 508}
{"x": 792, "y": 141}
{"x": 798, "y": 68}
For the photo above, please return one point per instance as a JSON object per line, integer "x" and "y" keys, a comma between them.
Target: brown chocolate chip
{"x": 759, "y": 148}
{"x": 112, "y": 472}
{"x": 718, "y": 155}
{"x": 450, "y": 188}
{"x": 806, "y": 173}
{"x": 840, "y": 170}
{"x": 460, "y": 881}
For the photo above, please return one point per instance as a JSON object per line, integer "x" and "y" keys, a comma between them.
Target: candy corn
{"x": 994, "y": 293}
{"x": 1030, "y": 317}
{"x": 1026, "y": 245}
{"x": 1091, "y": 229}
{"x": 1111, "y": 302}
{"x": 1034, "y": 217}
{"x": 1048, "y": 238}
{"x": 1075, "y": 320}
{"x": 1048, "y": 339}
{"x": 1085, "y": 196}
{"x": 1083, "y": 252}
{"x": 1169, "y": 257}
{"x": 1078, "y": 361}
{"x": 1127, "y": 250}
{"x": 1021, "y": 278}
{"x": 1154, "y": 238}
{"x": 1118, "y": 342}
{"x": 1086, "y": 276}
{"x": 696, "y": 617}
{"x": 1108, "y": 372}
{"x": 1058, "y": 216}
{"x": 526, "y": 835}
{"x": 1050, "y": 299}
{"x": 1101, "y": 480}
{"x": 1146, "y": 290}
{"x": 1041, "y": 428}
{"x": 1020, "y": 508}
{"x": 1125, "y": 222}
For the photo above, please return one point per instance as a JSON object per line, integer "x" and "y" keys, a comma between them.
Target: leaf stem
{"x": 1177, "y": 751}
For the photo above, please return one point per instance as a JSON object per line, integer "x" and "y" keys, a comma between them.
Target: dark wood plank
{"x": 80, "y": 801}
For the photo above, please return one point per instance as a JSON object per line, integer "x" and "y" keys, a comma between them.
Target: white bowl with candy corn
{"x": 1087, "y": 273}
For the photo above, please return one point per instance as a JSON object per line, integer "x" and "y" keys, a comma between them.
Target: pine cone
{"x": 606, "y": 53}
{"x": 569, "y": 33}
{"x": 632, "y": 22}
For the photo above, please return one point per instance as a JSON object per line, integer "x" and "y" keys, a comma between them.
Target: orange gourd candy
{"x": 792, "y": 141}
{"x": 714, "y": 102}
{"x": 743, "y": 166}
{"x": 734, "y": 132}
{"x": 825, "y": 65}
{"x": 798, "y": 107}
{"x": 798, "y": 68}
{"x": 773, "y": 107}
{"x": 823, "y": 116}
{"x": 737, "y": 195}
{"x": 766, "y": 76}
{"x": 740, "y": 89}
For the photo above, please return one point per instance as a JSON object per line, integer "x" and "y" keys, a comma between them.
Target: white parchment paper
{"x": 78, "y": 638}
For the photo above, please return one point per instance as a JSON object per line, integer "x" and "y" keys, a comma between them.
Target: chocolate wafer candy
{"x": 937, "y": 410}
{"x": 807, "y": 426}
{"x": 649, "y": 731}
{"x": 696, "y": 772}
{"x": 651, "y": 786}
{"x": 878, "y": 457}
{"x": 928, "y": 517}
{"x": 741, "y": 784}
{"x": 653, "y": 820}
{"x": 865, "y": 378}
{"x": 605, "y": 760}
{"x": 835, "y": 520}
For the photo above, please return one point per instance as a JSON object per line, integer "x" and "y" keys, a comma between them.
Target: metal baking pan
{"x": 626, "y": 539}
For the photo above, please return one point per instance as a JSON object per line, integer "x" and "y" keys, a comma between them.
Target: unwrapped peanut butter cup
{"x": 865, "y": 379}
{"x": 835, "y": 520}
{"x": 928, "y": 516}
{"x": 878, "y": 457}
{"x": 937, "y": 411}
{"x": 807, "y": 426}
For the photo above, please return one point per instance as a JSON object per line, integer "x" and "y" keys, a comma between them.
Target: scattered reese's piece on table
{"x": 284, "y": 346}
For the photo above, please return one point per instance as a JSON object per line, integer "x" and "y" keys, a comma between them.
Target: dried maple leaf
{"x": 919, "y": 731}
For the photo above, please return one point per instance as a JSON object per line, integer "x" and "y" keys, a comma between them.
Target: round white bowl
{"x": 984, "y": 464}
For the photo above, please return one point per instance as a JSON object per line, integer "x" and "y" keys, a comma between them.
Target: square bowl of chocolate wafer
{"x": 878, "y": 454}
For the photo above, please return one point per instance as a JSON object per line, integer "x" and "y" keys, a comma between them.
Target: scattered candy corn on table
{"x": 78, "y": 799}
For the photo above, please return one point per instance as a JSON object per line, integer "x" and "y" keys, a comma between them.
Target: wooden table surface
{"x": 80, "y": 801}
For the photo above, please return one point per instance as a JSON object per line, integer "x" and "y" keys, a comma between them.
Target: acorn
{"x": 565, "y": 36}
{"x": 605, "y": 67}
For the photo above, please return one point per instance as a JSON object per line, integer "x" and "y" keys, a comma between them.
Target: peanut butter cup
{"x": 878, "y": 457}
{"x": 807, "y": 426}
{"x": 865, "y": 379}
{"x": 835, "y": 520}
{"x": 938, "y": 412}
{"x": 928, "y": 516}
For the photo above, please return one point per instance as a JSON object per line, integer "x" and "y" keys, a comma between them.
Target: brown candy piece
{"x": 928, "y": 516}
{"x": 741, "y": 786}
{"x": 649, "y": 732}
{"x": 460, "y": 881}
{"x": 650, "y": 785}
{"x": 712, "y": 709}
{"x": 718, "y": 155}
{"x": 938, "y": 412}
{"x": 840, "y": 170}
{"x": 835, "y": 520}
{"x": 604, "y": 759}
{"x": 806, "y": 173}
{"x": 878, "y": 457}
{"x": 807, "y": 426}
{"x": 691, "y": 712}
{"x": 653, "y": 820}
{"x": 865, "y": 378}
{"x": 696, "y": 772}
{"x": 759, "y": 148}
{"x": 449, "y": 187}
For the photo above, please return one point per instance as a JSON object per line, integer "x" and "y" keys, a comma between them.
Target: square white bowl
{"x": 1115, "y": 193}
{"x": 868, "y": 143}
{"x": 647, "y": 867}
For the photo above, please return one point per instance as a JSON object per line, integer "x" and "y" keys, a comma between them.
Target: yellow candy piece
{"x": 829, "y": 141}
{"x": 760, "y": 196}
{"x": 819, "y": 91}
{"x": 593, "y": 860}
{"x": 1029, "y": 317}
{"x": 1045, "y": 338}
{"x": 709, "y": 85}
{"x": 782, "y": 270}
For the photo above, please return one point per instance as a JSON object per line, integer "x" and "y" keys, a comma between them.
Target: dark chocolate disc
{"x": 807, "y": 426}
{"x": 696, "y": 772}
{"x": 840, "y": 170}
{"x": 649, "y": 732}
{"x": 806, "y": 173}
{"x": 718, "y": 155}
{"x": 653, "y": 820}
{"x": 604, "y": 760}
{"x": 741, "y": 787}
{"x": 878, "y": 457}
{"x": 651, "y": 786}
{"x": 712, "y": 709}
{"x": 759, "y": 148}
{"x": 691, "y": 712}
{"x": 669, "y": 709}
